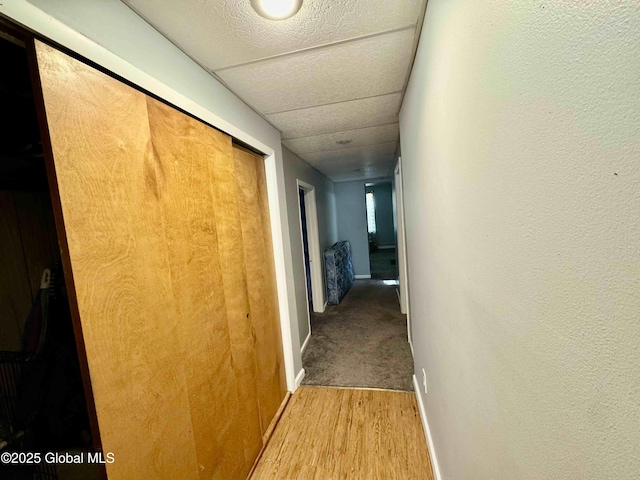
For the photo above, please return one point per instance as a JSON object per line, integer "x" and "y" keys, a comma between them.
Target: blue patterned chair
{"x": 339, "y": 271}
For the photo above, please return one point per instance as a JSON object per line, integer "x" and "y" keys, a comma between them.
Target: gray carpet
{"x": 383, "y": 264}
{"x": 360, "y": 343}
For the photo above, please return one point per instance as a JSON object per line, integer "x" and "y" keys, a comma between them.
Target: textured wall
{"x": 297, "y": 169}
{"x": 520, "y": 138}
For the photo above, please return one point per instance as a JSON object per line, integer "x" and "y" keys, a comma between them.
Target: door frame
{"x": 315, "y": 259}
{"x": 403, "y": 277}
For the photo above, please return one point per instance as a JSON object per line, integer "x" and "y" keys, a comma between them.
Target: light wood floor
{"x": 332, "y": 433}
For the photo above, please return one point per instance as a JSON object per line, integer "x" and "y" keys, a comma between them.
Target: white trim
{"x": 386, "y": 247}
{"x": 306, "y": 342}
{"x": 38, "y": 21}
{"x": 299, "y": 379}
{"x": 281, "y": 276}
{"x": 359, "y": 277}
{"x": 313, "y": 237}
{"x": 324, "y": 307}
{"x": 427, "y": 430}
{"x": 411, "y": 347}
{"x": 403, "y": 277}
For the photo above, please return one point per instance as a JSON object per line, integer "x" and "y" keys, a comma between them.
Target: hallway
{"x": 331, "y": 433}
{"x": 383, "y": 264}
{"x": 493, "y": 145}
{"x": 360, "y": 343}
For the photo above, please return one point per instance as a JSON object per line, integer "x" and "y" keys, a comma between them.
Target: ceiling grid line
{"x": 316, "y": 47}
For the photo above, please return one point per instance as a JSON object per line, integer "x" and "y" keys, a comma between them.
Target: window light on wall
{"x": 371, "y": 212}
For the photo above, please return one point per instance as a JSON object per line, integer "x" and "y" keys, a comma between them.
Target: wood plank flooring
{"x": 335, "y": 433}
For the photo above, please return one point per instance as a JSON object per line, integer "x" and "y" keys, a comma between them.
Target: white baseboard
{"x": 386, "y": 247}
{"x": 358, "y": 277}
{"x": 299, "y": 378}
{"x": 411, "y": 347}
{"x": 325, "y": 306}
{"x": 304, "y": 345}
{"x": 427, "y": 431}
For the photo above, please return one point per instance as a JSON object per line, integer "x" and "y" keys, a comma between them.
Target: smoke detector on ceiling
{"x": 276, "y": 9}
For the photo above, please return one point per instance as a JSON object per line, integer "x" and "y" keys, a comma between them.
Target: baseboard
{"x": 359, "y": 277}
{"x": 427, "y": 431}
{"x": 325, "y": 306}
{"x": 299, "y": 378}
{"x": 304, "y": 345}
{"x": 411, "y": 347}
{"x": 386, "y": 247}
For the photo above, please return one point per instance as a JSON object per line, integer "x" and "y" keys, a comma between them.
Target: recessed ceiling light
{"x": 276, "y": 9}
{"x": 344, "y": 142}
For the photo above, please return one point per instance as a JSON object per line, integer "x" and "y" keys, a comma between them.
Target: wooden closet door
{"x": 169, "y": 273}
{"x": 109, "y": 186}
{"x": 202, "y": 226}
{"x": 259, "y": 265}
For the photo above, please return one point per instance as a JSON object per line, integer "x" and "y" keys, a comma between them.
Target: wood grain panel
{"x": 260, "y": 271}
{"x": 192, "y": 156}
{"x": 110, "y": 187}
{"x": 224, "y": 187}
{"x": 347, "y": 434}
{"x": 15, "y": 293}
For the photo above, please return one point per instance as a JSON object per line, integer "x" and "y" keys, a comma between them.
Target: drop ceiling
{"x": 330, "y": 78}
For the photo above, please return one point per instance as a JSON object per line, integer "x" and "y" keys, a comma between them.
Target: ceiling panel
{"x": 353, "y": 170}
{"x": 366, "y": 153}
{"x": 228, "y": 32}
{"x": 356, "y": 138}
{"x": 361, "y": 68}
{"x": 336, "y": 117}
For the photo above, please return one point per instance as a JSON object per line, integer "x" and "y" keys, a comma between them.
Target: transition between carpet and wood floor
{"x": 360, "y": 343}
{"x": 336, "y": 433}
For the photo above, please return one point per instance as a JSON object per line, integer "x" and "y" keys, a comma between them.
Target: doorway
{"x": 380, "y": 231}
{"x": 313, "y": 270}
{"x": 305, "y": 248}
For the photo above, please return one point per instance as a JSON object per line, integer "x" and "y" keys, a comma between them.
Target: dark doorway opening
{"x": 305, "y": 247}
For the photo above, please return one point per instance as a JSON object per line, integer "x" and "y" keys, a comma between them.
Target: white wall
{"x": 297, "y": 169}
{"x": 112, "y": 35}
{"x": 520, "y": 137}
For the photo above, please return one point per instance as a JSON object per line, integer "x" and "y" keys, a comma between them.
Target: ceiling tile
{"x": 366, "y": 153}
{"x": 336, "y": 117}
{"x": 355, "y": 171}
{"x": 361, "y": 68}
{"x": 357, "y": 137}
{"x": 228, "y": 32}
